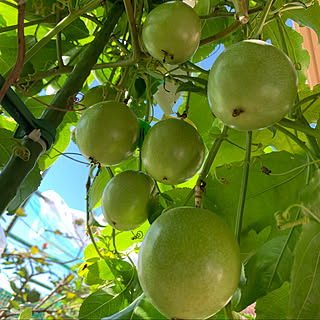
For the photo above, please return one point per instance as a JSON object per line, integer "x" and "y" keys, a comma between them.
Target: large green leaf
{"x": 310, "y": 112}
{"x": 8, "y": 52}
{"x": 123, "y": 239}
{"x": 141, "y": 308}
{"x": 265, "y": 194}
{"x": 274, "y": 305}
{"x": 29, "y": 185}
{"x": 3, "y": 22}
{"x": 271, "y": 31}
{"x": 304, "y": 294}
{"x": 267, "y": 270}
{"x": 306, "y": 17}
{"x": 251, "y": 242}
{"x": 62, "y": 141}
{"x": 308, "y": 198}
{"x": 210, "y": 27}
{"x": 76, "y": 30}
{"x": 7, "y": 126}
{"x": 111, "y": 299}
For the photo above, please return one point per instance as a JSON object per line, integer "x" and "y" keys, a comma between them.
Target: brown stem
{"x": 15, "y": 73}
{"x": 221, "y": 34}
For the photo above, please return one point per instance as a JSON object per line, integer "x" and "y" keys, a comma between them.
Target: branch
{"x": 222, "y": 33}
{"x": 16, "y": 169}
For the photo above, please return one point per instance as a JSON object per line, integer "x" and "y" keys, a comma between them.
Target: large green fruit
{"x": 126, "y": 199}
{"x": 107, "y": 133}
{"x": 252, "y": 85}
{"x": 189, "y": 263}
{"x": 171, "y": 32}
{"x": 172, "y": 151}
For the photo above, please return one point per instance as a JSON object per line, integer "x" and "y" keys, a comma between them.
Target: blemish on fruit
{"x": 164, "y": 178}
{"x": 236, "y": 112}
{"x": 114, "y": 223}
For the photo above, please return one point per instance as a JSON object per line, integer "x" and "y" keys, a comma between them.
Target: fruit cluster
{"x": 187, "y": 272}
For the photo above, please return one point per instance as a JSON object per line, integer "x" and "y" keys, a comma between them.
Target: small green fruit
{"x": 172, "y": 151}
{"x": 171, "y": 32}
{"x": 189, "y": 263}
{"x": 98, "y": 94}
{"x": 107, "y": 133}
{"x": 126, "y": 199}
{"x": 252, "y": 85}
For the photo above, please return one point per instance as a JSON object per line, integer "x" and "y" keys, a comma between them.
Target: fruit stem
{"x": 212, "y": 154}
{"x": 206, "y": 167}
{"x": 243, "y": 188}
{"x": 262, "y": 19}
{"x": 88, "y": 185}
{"x": 228, "y": 311}
{"x": 133, "y": 30}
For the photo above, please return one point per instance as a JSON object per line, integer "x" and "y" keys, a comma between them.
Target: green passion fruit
{"x": 98, "y": 94}
{"x": 107, "y": 133}
{"x": 189, "y": 263}
{"x": 172, "y": 151}
{"x": 252, "y": 85}
{"x": 171, "y": 32}
{"x": 126, "y": 199}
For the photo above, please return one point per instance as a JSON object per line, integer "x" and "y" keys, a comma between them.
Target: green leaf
{"x": 63, "y": 137}
{"x": 110, "y": 300}
{"x": 304, "y": 294}
{"x": 8, "y": 52}
{"x": 3, "y": 22}
{"x": 264, "y": 193}
{"x": 266, "y": 270}
{"x": 199, "y": 112}
{"x": 179, "y": 196}
{"x": 124, "y": 239}
{"x": 47, "y": 56}
{"x": 210, "y": 27}
{"x": 26, "y": 314}
{"x": 141, "y": 308}
{"x": 76, "y": 30}
{"x": 6, "y": 145}
{"x": 252, "y": 242}
{"x": 271, "y": 31}
{"x": 96, "y": 190}
{"x": 29, "y": 185}
{"x": 312, "y": 112}
{"x": 308, "y": 198}
{"x": 306, "y": 17}
{"x": 274, "y": 305}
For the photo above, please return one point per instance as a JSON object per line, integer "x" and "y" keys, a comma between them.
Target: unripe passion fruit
{"x": 172, "y": 151}
{"x": 252, "y": 85}
{"x": 126, "y": 198}
{"x": 107, "y": 133}
{"x": 189, "y": 263}
{"x": 171, "y": 32}
{"x": 98, "y": 94}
